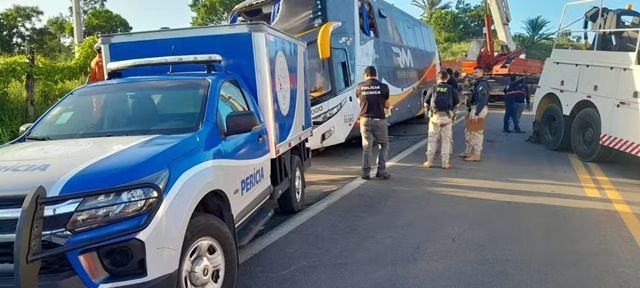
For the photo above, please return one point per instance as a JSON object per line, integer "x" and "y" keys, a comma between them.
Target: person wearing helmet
{"x": 97, "y": 70}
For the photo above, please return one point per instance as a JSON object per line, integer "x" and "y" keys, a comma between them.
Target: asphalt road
{"x": 523, "y": 217}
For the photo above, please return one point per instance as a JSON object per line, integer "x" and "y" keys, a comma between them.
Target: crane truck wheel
{"x": 292, "y": 200}
{"x": 554, "y": 131}
{"x": 585, "y": 137}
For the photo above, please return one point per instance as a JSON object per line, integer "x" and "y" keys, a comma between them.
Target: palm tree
{"x": 536, "y": 29}
{"x": 430, "y": 5}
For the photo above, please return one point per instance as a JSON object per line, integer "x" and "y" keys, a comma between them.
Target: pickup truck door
{"x": 249, "y": 170}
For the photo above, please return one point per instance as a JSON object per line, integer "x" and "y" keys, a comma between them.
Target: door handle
{"x": 260, "y": 138}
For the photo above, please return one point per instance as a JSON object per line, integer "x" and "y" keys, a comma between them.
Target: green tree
{"x": 17, "y": 24}
{"x": 96, "y": 18}
{"x": 58, "y": 25}
{"x": 105, "y": 21}
{"x": 210, "y": 12}
{"x": 87, "y": 5}
{"x": 446, "y": 26}
{"x": 431, "y": 5}
{"x": 536, "y": 29}
{"x": 472, "y": 25}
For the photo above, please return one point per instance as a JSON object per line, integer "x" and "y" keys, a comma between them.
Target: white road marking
{"x": 283, "y": 229}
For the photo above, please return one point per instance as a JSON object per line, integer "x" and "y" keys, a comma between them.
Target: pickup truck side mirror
{"x": 240, "y": 122}
{"x": 24, "y": 128}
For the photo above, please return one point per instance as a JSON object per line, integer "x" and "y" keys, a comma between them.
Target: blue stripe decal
{"x": 307, "y": 100}
{"x": 131, "y": 164}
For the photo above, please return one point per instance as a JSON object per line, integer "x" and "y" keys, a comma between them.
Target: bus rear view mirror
{"x": 324, "y": 39}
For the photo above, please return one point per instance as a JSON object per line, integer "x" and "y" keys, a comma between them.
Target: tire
{"x": 585, "y": 137}
{"x": 554, "y": 129}
{"x": 207, "y": 229}
{"x": 292, "y": 200}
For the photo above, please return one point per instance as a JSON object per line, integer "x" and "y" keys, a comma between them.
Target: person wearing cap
{"x": 373, "y": 97}
{"x": 97, "y": 71}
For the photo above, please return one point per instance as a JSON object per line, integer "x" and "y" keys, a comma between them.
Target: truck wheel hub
{"x": 204, "y": 265}
{"x": 201, "y": 272}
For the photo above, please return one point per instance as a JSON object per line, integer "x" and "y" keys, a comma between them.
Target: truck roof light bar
{"x": 206, "y": 59}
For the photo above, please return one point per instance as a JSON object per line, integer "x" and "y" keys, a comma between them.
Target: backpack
{"x": 441, "y": 101}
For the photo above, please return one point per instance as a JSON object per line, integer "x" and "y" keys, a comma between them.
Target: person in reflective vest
{"x": 97, "y": 70}
{"x": 514, "y": 102}
{"x": 441, "y": 100}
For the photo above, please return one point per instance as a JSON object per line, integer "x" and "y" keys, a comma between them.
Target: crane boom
{"x": 501, "y": 65}
{"x": 501, "y": 19}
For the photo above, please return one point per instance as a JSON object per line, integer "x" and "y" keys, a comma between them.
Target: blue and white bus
{"x": 343, "y": 37}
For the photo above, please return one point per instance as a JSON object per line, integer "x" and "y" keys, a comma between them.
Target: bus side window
{"x": 411, "y": 37}
{"x": 367, "y": 20}
{"x": 341, "y": 69}
{"x": 419, "y": 39}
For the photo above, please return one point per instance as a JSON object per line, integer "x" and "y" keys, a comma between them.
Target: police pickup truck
{"x": 155, "y": 177}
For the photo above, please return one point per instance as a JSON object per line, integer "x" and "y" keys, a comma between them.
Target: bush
{"x": 52, "y": 81}
{"x": 453, "y": 51}
{"x": 13, "y": 113}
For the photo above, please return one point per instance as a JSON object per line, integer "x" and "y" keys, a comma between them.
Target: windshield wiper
{"x": 37, "y": 138}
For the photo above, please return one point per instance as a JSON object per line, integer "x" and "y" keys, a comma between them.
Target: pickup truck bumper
{"x": 29, "y": 251}
{"x": 62, "y": 281}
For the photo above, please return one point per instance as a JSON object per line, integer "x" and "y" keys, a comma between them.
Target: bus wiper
{"x": 37, "y": 138}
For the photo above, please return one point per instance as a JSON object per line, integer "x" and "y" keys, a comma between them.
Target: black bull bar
{"x": 28, "y": 251}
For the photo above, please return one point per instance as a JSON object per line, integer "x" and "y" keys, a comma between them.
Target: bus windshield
{"x": 319, "y": 80}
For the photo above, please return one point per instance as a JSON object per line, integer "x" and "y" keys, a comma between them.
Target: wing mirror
{"x": 240, "y": 122}
{"x": 24, "y": 128}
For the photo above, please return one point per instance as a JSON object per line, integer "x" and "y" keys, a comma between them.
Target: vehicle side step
{"x": 251, "y": 228}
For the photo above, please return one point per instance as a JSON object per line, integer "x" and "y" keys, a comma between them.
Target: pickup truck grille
{"x": 11, "y": 202}
{"x": 54, "y": 265}
{"x": 51, "y": 223}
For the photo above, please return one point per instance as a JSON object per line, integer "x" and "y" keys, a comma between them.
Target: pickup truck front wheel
{"x": 292, "y": 200}
{"x": 209, "y": 257}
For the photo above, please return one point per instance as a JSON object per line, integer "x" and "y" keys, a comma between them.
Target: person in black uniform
{"x": 477, "y": 109}
{"x": 373, "y": 97}
{"x": 452, "y": 80}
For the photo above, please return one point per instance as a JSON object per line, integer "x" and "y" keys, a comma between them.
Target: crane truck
{"x": 500, "y": 65}
{"x": 156, "y": 176}
{"x": 589, "y": 98}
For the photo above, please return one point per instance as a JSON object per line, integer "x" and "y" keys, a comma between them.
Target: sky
{"x": 176, "y": 13}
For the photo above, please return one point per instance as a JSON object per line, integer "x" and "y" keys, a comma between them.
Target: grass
{"x": 13, "y": 106}
{"x": 453, "y": 51}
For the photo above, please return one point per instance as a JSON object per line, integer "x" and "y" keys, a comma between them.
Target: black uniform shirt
{"x": 372, "y": 94}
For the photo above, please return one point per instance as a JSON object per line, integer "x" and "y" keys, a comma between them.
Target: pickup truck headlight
{"x": 107, "y": 208}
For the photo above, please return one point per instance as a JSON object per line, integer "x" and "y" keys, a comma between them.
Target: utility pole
{"x": 77, "y": 23}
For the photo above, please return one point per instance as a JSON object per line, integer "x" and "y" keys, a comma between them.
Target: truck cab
{"x": 154, "y": 180}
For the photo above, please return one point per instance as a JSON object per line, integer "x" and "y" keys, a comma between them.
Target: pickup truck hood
{"x": 68, "y": 166}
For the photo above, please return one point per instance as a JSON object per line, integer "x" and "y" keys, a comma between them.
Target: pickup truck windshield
{"x": 134, "y": 108}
